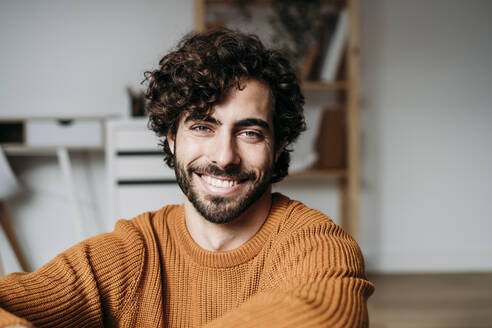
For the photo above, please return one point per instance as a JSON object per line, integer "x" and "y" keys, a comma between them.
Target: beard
{"x": 222, "y": 209}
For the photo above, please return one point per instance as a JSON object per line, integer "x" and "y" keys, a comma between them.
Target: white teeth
{"x": 219, "y": 183}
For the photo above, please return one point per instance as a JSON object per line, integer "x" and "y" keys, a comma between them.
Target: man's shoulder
{"x": 135, "y": 234}
{"x": 302, "y": 225}
{"x": 149, "y": 219}
{"x": 297, "y": 215}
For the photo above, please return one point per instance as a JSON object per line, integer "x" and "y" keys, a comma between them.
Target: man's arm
{"x": 317, "y": 280}
{"x": 87, "y": 285}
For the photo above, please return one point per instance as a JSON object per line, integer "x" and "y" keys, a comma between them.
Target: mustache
{"x": 231, "y": 172}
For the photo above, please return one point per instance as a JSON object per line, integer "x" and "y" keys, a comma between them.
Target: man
{"x": 233, "y": 254}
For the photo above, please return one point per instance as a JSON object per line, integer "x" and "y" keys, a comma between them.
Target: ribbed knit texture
{"x": 299, "y": 270}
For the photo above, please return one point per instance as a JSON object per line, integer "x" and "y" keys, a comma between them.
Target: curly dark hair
{"x": 201, "y": 70}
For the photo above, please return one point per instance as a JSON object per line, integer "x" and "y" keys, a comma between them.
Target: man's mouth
{"x": 220, "y": 183}
{"x": 217, "y": 180}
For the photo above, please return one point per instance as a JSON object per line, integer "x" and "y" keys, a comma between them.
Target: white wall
{"x": 426, "y": 117}
{"x": 77, "y": 57}
{"x": 73, "y": 58}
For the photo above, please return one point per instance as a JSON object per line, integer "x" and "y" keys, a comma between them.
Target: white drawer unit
{"x": 138, "y": 178}
{"x": 134, "y": 136}
{"x": 72, "y": 133}
{"x": 149, "y": 167}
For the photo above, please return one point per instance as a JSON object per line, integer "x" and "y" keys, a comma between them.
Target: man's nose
{"x": 224, "y": 152}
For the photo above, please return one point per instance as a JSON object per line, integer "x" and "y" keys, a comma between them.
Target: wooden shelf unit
{"x": 322, "y": 85}
{"x": 348, "y": 176}
{"x": 320, "y": 173}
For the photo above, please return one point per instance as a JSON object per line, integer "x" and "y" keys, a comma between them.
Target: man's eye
{"x": 201, "y": 128}
{"x": 252, "y": 135}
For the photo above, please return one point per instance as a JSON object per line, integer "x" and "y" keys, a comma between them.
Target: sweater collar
{"x": 234, "y": 257}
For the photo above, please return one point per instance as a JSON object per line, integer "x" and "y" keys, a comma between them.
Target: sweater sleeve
{"x": 88, "y": 285}
{"x": 317, "y": 279}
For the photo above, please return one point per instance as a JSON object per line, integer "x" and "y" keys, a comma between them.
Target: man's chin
{"x": 222, "y": 209}
{"x": 222, "y": 199}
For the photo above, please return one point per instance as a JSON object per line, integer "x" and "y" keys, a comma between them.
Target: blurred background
{"x": 76, "y": 145}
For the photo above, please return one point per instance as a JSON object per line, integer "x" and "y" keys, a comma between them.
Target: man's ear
{"x": 280, "y": 150}
{"x": 170, "y": 140}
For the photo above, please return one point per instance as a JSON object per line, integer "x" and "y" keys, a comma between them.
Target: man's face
{"x": 224, "y": 162}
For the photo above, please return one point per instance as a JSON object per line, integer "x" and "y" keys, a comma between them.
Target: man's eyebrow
{"x": 208, "y": 119}
{"x": 253, "y": 121}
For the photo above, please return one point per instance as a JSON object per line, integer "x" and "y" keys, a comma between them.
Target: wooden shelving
{"x": 346, "y": 89}
{"x": 320, "y": 173}
{"x": 321, "y": 85}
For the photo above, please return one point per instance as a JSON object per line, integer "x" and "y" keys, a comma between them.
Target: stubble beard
{"x": 222, "y": 209}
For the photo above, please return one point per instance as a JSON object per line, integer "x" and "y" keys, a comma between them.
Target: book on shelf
{"x": 336, "y": 43}
{"x": 313, "y": 71}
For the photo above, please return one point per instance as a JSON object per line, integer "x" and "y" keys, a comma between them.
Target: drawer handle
{"x": 65, "y": 122}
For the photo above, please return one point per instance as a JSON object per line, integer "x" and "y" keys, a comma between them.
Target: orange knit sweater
{"x": 299, "y": 270}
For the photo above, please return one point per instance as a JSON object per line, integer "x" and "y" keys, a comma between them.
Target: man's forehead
{"x": 252, "y": 97}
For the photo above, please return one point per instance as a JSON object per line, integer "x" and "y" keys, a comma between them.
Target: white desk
{"x": 138, "y": 180}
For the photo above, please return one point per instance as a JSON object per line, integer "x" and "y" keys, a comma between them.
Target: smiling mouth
{"x": 221, "y": 182}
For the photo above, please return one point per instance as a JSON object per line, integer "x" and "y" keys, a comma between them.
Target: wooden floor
{"x": 431, "y": 301}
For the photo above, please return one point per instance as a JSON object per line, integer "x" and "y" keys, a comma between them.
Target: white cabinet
{"x": 74, "y": 133}
{"x": 138, "y": 179}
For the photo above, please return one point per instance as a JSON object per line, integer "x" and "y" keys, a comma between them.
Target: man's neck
{"x": 228, "y": 236}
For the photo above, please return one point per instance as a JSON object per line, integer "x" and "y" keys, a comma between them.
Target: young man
{"x": 233, "y": 254}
